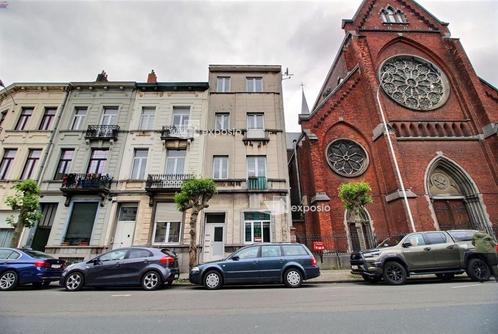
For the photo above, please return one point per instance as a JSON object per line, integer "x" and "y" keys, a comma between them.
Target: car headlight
{"x": 371, "y": 255}
{"x": 195, "y": 270}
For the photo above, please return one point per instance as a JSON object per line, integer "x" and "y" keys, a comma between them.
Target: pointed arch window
{"x": 392, "y": 15}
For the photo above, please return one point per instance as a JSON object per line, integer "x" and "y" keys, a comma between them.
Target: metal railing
{"x": 166, "y": 181}
{"x": 104, "y": 132}
{"x": 256, "y": 183}
{"x": 86, "y": 182}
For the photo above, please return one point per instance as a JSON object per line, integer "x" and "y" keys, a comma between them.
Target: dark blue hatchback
{"x": 287, "y": 263}
{"x": 25, "y": 266}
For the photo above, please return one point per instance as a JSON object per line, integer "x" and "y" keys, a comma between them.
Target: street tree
{"x": 26, "y": 202}
{"x": 194, "y": 196}
{"x": 355, "y": 196}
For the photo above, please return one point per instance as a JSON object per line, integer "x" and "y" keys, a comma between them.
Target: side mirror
{"x": 235, "y": 258}
{"x": 96, "y": 262}
{"x": 407, "y": 244}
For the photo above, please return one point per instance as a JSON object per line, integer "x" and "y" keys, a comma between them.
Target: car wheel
{"x": 74, "y": 281}
{"x": 478, "y": 270}
{"x": 8, "y": 280}
{"x": 151, "y": 280}
{"x": 394, "y": 273}
{"x": 213, "y": 280}
{"x": 293, "y": 278}
{"x": 445, "y": 277}
{"x": 370, "y": 279}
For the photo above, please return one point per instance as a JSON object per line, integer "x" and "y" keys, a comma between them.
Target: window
{"x": 222, "y": 121}
{"x": 97, "y": 162}
{"x": 220, "y": 167}
{"x": 8, "y": 158}
{"x": 223, "y": 84}
{"x": 435, "y": 238}
{"x": 139, "y": 163}
{"x": 175, "y": 162}
{"x": 270, "y": 251}
{"x": 139, "y": 253}
{"x": 23, "y": 120}
{"x": 391, "y": 15}
{"x": 37, "y": 254}
{"x": 114, "y": 255}
{"x": 147, "y": 118}
{"x": 256, "y": 166}
{"x": 31, "y": 162}
{"x": 416, "y": 239}
{"x": 181, "y": 116}
{"x": 167, "y": 232}
{"x": 255, "y": 121}
{"x": 64, "y": 165}
{"x": 48, "y": 118}
{"x": 257, "y": 227}
{"x": 5, "y": 253}
{"x": 81, "y": 222}
{"x": 462, "y": 235}
{"x": 248, "y": 253}
{"x": 294, "y": 250}
{"x": 254, "y": 84}
{"x": 110, "y": 116}
{"x": 79, "y": 118}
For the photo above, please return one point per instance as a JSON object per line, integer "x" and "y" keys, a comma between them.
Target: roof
{"x": 173, "y": 86}
{"x": 245, "y": 68}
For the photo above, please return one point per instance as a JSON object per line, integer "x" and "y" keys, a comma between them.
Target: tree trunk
{"x": 17, "y": 232}
{"x": 192, "y": 252}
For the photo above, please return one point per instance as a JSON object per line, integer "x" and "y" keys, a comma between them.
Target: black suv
{"x": 441, "y": 253}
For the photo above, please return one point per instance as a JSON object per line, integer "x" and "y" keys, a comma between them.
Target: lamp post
{"x": 396, "y": 166}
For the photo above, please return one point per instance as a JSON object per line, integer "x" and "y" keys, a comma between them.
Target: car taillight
{"x": 42, "y": 264}
{"x": 167, "y": 260}
{"x": 497, "y": 248}
{"x": 313, "y": 261}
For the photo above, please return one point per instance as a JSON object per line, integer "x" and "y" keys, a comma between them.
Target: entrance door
{"x": 214, "y": 240}
{"x": 125, "y": 227}
{"x": 452, "y": 214}
{"x": 44, "y": 227}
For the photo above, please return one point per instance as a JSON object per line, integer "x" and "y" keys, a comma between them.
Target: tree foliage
{"x": 355, "y": 195}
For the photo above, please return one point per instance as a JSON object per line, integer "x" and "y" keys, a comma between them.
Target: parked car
{"x": 286, "y": 263}
{"x": 26, "y": 266}
{"x": 150, "y": 268}
{"x": 444, "y": 254}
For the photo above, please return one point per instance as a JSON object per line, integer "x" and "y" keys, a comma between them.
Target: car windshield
{"x": 391, "y": 241}
{"x": 37, "y": 255}
{"x": 462, "y": 235}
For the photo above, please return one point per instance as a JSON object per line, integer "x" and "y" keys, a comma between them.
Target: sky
{"x": 59, "y": 41}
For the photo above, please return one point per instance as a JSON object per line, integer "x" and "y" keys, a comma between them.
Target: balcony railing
{"x": 177, "y": 132}
{"x": 165, "y": 182}
{"x": 102, "y": 132}
{"x": 86, "y": 183}
{"x": 256, "y": 183}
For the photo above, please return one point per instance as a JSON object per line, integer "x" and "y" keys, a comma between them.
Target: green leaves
{"x": 26, "y": 200}
{"x": 195, "y": 193}
{"x": 355, "y": 195}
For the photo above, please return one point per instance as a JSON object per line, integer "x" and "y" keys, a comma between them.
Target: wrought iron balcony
{"x": 165, "y": 182}
{"x": 85, "y": 184}
{"x": 256, "y": 183}
{"x": 102, "y": 132}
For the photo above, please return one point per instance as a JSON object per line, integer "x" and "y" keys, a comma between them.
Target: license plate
{"x": 56, "y": 266}
{"x": 354, "y": 267}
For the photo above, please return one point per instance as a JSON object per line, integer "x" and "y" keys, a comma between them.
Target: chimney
{"x": 102, "y": 77}
{"x": 152, "y": 77}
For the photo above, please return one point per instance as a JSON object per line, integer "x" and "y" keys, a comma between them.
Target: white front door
{"x": 214, "y": 238}
{"x": 125, "y": 227}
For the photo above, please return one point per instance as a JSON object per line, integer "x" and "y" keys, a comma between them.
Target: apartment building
{"x": 29, "y": 115}
{"x": 246, "y": 155}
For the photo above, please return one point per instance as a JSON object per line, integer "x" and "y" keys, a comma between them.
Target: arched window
{"x": 359, "y": 230}
{"x": 391, "y": 15}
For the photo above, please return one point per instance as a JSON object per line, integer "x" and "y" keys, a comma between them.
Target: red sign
{"x": 318, "y": 246}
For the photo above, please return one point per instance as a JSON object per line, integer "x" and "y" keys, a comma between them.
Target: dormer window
{"x": 391, "y": 15}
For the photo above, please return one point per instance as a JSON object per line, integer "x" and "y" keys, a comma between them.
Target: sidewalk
{"x": 326, "y": 276}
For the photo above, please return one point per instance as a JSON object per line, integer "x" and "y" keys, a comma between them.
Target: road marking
{"x": 121, "y": 295}
{"x": 465, "y": 286}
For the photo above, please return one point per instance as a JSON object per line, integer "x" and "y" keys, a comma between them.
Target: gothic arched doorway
{"x": 359, "y": 230}
{"x": 455, "y": 198}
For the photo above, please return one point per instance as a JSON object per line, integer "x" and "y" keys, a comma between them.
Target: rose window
{"x": 414, "y": 83}
{"x": 347, "y": 158}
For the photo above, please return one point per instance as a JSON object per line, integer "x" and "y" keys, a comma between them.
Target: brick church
{"x": 403, "y": 109}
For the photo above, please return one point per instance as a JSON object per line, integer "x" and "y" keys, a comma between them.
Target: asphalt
{"x": 421, "y": 306}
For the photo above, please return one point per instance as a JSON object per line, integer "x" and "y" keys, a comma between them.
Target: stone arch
{"x": 360, "y": 231}
{"x": 454, "y": 197}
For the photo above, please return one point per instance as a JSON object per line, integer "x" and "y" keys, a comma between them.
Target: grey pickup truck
{"x": 444, "y": 254}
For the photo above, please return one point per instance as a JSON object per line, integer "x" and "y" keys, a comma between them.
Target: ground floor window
{"x": 257, "y": 227}
{"x": 167, "y": 232}
{"x": 6, "y": 235}
{"x": 79, "y": 230}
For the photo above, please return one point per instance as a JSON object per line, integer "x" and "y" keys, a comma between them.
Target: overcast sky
{"x": 72, "y": 41}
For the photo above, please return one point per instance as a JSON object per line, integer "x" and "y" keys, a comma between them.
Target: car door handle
{"x": 146, "y": 261}
{"x": 427, "y": 249}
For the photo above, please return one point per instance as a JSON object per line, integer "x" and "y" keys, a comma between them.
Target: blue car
{"x": 25, "y": 266}
{"x": 288, "y": 263}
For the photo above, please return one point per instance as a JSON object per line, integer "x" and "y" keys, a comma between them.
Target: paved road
{"x": 420, "y": 307}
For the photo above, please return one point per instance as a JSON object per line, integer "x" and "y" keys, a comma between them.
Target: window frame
{"x": 252, "y": 121}
{"x": 31, "y": 163}
{"x": 64, "y": 161}
{"x": 251, "y": 86}
{"x": 69, "y": 216}
{"x": 262, "y": 223}
{"x": 181, "y": 112}
{"x": 167, "y": 233}
{"x": 48, "y": 118}
{"x": 7, "y": 161}
{"x": 140, "y": 163}
{"x": 24, "y": 118}
{"x": 224, "y": 87}
{"x": 257, "y": 165}
{"x": 219, "y": 170}
{"x": 225, "y": 117}
{"x": 147, "y": 123}
{"x": 176, "y": 159}
{"x": 78, "y": 119}
{"x": 99, "y": 161}
{"x": 112, "y": 115}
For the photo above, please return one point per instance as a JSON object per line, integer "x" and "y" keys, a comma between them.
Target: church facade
{"x": 402, "y": 109}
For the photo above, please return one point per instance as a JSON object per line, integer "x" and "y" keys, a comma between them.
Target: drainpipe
{"x": 396, "y": 166}
{"x": 43, "y": 164}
